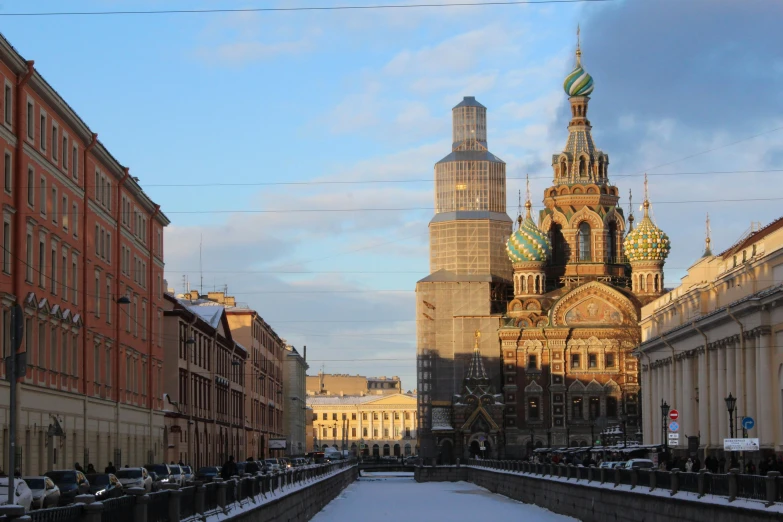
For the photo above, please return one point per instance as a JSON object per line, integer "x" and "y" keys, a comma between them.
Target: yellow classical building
{"x": 367, "y": 425}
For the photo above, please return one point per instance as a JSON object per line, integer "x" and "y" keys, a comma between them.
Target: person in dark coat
{"x": 77, "y": 467}
{"x": 229, "y": 469}
{"x": 696, "y": 464}
{"x": 110, "y": 468}
{"x": 251, "y": 466}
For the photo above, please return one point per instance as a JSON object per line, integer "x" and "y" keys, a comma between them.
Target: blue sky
{"x": 193, "y": 101}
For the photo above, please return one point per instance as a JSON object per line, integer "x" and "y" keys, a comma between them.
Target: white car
{"x": 639, "y": 464}
{"x": 22, "y": 494}
{"x": 45, "y": 492}
{"x": 134, "y": 478}
{"x": 176, "y": 477}
{"x": 272, "y": 465}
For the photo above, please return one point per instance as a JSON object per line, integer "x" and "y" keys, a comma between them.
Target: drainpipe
{"x": 150, "y": 288}
{"x": 709, "y": 384}
{"x": 189, "y": 355}
{"x": 742, "y": 359}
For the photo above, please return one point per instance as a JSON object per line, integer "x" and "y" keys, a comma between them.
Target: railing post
{"x": 771, "y": 482}
{"x": 221, "y": 494}
{"x": 653, "y": 479}
{"x": 201, "y": 499}
{"x": 15, "y": 513}
{"x": 602, "y": 475}
{"x": 733, "y": 486}
{"x": 701, "y": 482}
{"x": 675, "y": 481}
{"x": 92, "y": 512}
{"x": 616, "y": 477}
{"x": 85, "y": 499}
{"x": 569, "y": 467}
{"x": 174, "y": 495}
{"x": 140, "y": 506}
{"x": 634, "y": 477}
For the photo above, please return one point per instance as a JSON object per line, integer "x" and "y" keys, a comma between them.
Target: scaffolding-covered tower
{"x": 470, "y": 276}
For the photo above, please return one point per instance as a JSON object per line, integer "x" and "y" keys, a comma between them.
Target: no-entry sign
{"x": 674, "y": 414}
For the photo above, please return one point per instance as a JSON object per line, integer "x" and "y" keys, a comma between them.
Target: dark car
{"x": 161, "y": 470}
{"x": 207, "y": 473}
{"x": 105, "y": 486}
{"x": 71, "y": 484}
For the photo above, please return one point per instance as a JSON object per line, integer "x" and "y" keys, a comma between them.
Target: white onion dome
{"x": 646, "y": 242}
{"x": 528, "y": 243}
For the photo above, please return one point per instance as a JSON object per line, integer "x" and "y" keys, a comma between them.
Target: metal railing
{"x": 61, "y": 514}
{"x": 158, "y": 507}
{"x": 119, "y": 509}
{"x": 767, "y": 489}
{"x": 187, "y": 502}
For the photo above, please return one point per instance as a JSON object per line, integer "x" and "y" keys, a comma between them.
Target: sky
{"x": 298, "y": 147}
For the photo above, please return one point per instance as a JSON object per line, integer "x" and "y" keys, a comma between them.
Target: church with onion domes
{"x": 552, "y": 328}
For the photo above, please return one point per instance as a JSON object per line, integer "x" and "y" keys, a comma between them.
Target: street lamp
{"x": 731, "y": 402}
{"x": 664, "y": 414}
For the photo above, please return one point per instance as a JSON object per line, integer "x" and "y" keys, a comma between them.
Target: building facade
{"x": 294, "y": 393}
{"x": 367, "y": 425}
{"x": 469, "y": 272}
{"x": 78, "y": 233}
{"x": 264, "y": 402}
{"x": 719, "y": 332}
{"x": 556, "y": 358}
{"x": 336, "y": 384}
{"x": 204, "y": 384}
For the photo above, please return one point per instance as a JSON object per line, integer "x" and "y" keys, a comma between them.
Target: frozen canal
{"x": 396, "y": 497}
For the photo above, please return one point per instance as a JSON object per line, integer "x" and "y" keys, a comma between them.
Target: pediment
{"x": 594, "y": 304}
{"x": 594, "y": 386}
{"x": 480, "y": 413}
{"x": 398, "y": 399}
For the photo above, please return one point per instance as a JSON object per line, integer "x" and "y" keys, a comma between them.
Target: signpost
{"x": 674, "y": 415}
{"x": 673, "y": 426}
{"x": 748, "y": 423}
{"x": 740, "y": 444}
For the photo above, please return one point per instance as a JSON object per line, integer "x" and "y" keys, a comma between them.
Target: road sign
{"x": 674, "y": 436}
{"x": 674, "y": 414}
{"x": 748, "y": 423}
{"x": 673, "y": 426}
{"x": 740, "y": 444}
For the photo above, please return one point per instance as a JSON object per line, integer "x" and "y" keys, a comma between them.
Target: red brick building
{"x": 78, "y": 233}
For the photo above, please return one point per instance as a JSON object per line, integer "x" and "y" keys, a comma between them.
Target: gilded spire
{"x": 647, "y": 243}
{"x": 646, "y": 204}
{"x": 630, "y": 211}
{"x": 528, "y": 205}
{"x": 519, "y": 214}
{"x": 578, "y": 47}
{"x": 707, "y": 240}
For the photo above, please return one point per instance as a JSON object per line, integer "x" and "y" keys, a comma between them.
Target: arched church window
{"x": 613, "y": 250}
{"x": 582, "y": 167}
{"x": 563, "y": 169}
{"x": 559, "y": 245}
{"x": 583, "y": 238}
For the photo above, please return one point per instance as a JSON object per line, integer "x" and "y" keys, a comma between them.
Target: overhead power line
{"x": 298, "y": 9}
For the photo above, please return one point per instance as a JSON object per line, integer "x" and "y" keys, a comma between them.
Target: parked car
{"x": 316, "y": 457}
{"x": 187, "y": 473}
{"x": 639, "y": 464}
{"x": 411, "y": 460}
{"x": 134, "y": 478}
{"x": 207, "y": 473}
{"x": 273, "y": 465}
{"x": 105, "y": 486}
{"x": 162, "y": 470}
{"x": 71, "y": 483}
{"x": 156, "y": 484}
{"x": 176, "y": 476}
{"x": 22, "y": 494}
{"x": 285, "y": 463}
{"x": 45, "y": 492}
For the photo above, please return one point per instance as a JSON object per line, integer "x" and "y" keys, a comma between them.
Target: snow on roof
{"x": 209, "y": 311}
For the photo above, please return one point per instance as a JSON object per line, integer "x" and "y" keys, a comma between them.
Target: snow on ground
{"x": 390, "y": 496}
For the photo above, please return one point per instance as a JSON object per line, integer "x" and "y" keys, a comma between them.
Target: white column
{"x": 731, "y": 373}
{"x": 739, "y": 379}
{"x": 360, "y": 433}
{"x": 765, "y": 418}
{"x": 715, "y": 402}
{"x": 751, "y": 346}
{"x": 704, "y": 397}
{"x": 686, "y": 386}
{"x": 720, "y": 403}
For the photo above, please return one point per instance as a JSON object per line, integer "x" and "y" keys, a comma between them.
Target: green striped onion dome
{"x": 528, "y": 243}
{"x": 646, "y": 242}
{"x": 578, "y": 83}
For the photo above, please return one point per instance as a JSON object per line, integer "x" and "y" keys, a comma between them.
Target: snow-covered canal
{"x": 397, "y": 497}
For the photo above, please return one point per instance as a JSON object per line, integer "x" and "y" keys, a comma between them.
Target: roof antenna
{"x": 707, "y": 240}
{"x": 200, "y": 270}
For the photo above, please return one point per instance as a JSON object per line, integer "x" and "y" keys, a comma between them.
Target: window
{"x": 54, "y": 204}
{"x": 30, "y": 121}
{"x": 364, "y": 416}
{"x": 53, "y": 350}
{"x": 532, "y": 408}
{"x": 583, "y": 242}
{"x": 364, "y": 432}
{"x": 108, "y": 247}
{"x": 109, "y": 302}
{"x": 64, "y": 276}
{"x": 576, "y": 408}
{"x": 574, "y": 360}
{"x": 353, "y": 416}
{"x": 64, "y": 365}
{"x": 55, "y": 145}
{"x": 75, "y": 162}
{"x": 98, "y": 240}
{"x": 613, "y": 253}
{"x": 42, "y": 345}
{"x": 592, "y": 360}
{"x": 324, "y": 416}
{"x": 29, "y": 259}
{"x": 107, "y": 377}
{"x": 595, "y": 407}
{"x": 532, "y": 362}
{"x": 42, "y": 195}
{"x": 65, "y": 153}
{"x": 8, "y": 104}
{"x": 43, "y": 132}
{"x": 41, "y": 263}
{"x": 75, "y": 223}
{"x": 96, "y": 377}
{"x": 6, "y": 247}
{"x": 75, "y": 280}
{"x": 7, "y": 172}
{"x": 375, "y": 433}
{"x": 334, "y": 416}
{"x": 610, "y": 360}
{"x": 97, "y": 294}
{"x": 611, "y": 407}
{"x": 144, "y": 320}
{"x": 30, "y": 187}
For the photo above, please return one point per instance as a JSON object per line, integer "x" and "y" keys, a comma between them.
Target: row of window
{"x": 375, "y": 416}
{"x": 59, "y": 141}
{"x": 577, "y": 407}
{"x": 365, "y": 432}
{"x": 58, "y": 266}
{"x": 60, "y": 212}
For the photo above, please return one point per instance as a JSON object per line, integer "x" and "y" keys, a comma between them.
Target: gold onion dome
{"x": 528, "y": 243}
{"x": 646, "y": 242}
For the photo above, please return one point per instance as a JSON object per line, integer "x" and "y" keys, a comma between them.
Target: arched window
{"x": 559, "y": 245}
{"x": 613, "y": 250}
{"x": 583, "y": 239}
{"x": 611, "y": 407}
{"x": 582, "y": 167}
{"x": 563, "y": 169}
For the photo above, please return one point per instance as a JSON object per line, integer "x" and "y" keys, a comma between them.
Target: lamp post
{"x": 664, "y": 414}
{"x": 731, "y": 402}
